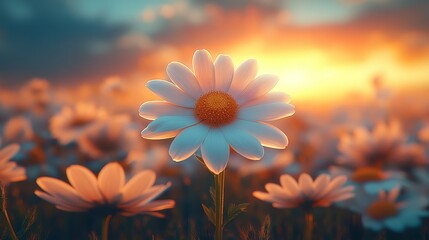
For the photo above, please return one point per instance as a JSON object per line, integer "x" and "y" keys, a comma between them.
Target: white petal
{"x": 7, "y": 167}
{"x": 336, "y": 183}
{"x": 154, "y": 109}
{"x": 215, "y": 151}
{"x": 286, "y": 205}
{"x": 184, "y": 79}
{"x": 171, "y": 93}
{"x": 153, "y": 206}
{"x": 266, "y": 112}
{"x": 137, "y": 185}
{"x": 264, "y": 196}
{"x": 85, "y": 183}
{"x": 7, "y": 152}
{"x": 257, "y": 88}
{"x": 306, "y": 185}
{"x": 188, "y": 141}
{"x": 393, "y": 194}
{"x": 270, "y": 97}
{"x": 289, "y": 183}
{"x": 277, "y": 191}
{"x": 320, "y": 184}
{"x": 204, "y": 70}
{"x": 243, "y": 143}
{"x": 224, "y": 72}
{"x": 146, "y": 197}
{"x": 70, "y": 208}
{"x": 268, "y": 135}
{"x": 340, "y": 194}
{"x": 167, "y": 126}
{"x": 111, "y": 179}
{"x": 244, "y": 74}
{"x": 15, "y": 175}
{"x": 60, "y": 204}
{"x": 62, "y": 191}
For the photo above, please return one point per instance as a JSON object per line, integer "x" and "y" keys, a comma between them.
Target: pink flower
{"x": 109, "y": 192}
{"x": 305, "y": 192}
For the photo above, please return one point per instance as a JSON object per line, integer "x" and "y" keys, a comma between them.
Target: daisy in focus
{"x": 67, "y": 125}
{"x": 385, "y": 211}
{"x": 214, "y": 108}
{"x": 108, "y": 194}
{"x": 306, "y": 193}
{"x": 9, "y": 170}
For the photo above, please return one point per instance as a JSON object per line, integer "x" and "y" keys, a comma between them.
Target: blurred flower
{"x": 305, "y": 192}
{"x": 216, "y": 109}
{"x": 155, "y": 158}
{"x": 113, "y": 85}
{"x": 408, "y": 156}
{"x": 9, "y": 170}
{"x": 387, "y": 212}
{"x": 18, "y": 130}
{"x": 382, "y": 93}
{"x": 67, "y": 125}
{"x": 421, "y": 181}
{"x": 109, "y": 193}
{"x": 371, "y": 179}
{"x": 272, "y": 159}
{"x": 36, "y": 92}
{"x": 374, "y": 148}
{"x": 108, "y": 138}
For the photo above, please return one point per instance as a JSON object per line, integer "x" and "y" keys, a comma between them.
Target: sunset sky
{"x": 321, "y": 49}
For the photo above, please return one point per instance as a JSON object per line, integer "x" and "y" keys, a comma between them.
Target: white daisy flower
{"x": 109, "y": 193}
{"x": 9, "y": 170}
{"x": 68, "y": 124}
{"x": 387, "y": 212}
{"x": 215, "y": 108}
{"x": 305, "y": 192}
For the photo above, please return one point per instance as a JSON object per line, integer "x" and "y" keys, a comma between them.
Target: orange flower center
{"x": 80, "y": 122}
{"x": 367, "y": 174}
{"x": 382, "y": 209}
{"x": 216, "y": 108}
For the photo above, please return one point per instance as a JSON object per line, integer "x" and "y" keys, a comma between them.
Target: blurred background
{"x": 313, "y": 45}
{"x": 347, "y": 64}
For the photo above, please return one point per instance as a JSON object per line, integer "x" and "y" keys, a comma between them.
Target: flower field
{"x": 215, "y": 120}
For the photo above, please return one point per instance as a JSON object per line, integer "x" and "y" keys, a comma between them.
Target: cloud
{"x": 402, "y": 26}
{"x": 48, "y": 39}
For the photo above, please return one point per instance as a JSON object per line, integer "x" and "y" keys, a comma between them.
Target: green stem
{"x": 309, "y": 226}
{"x": 105, "y": 229}
{"x": 219, "y": 206}
{"x": 4, "y": 212}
